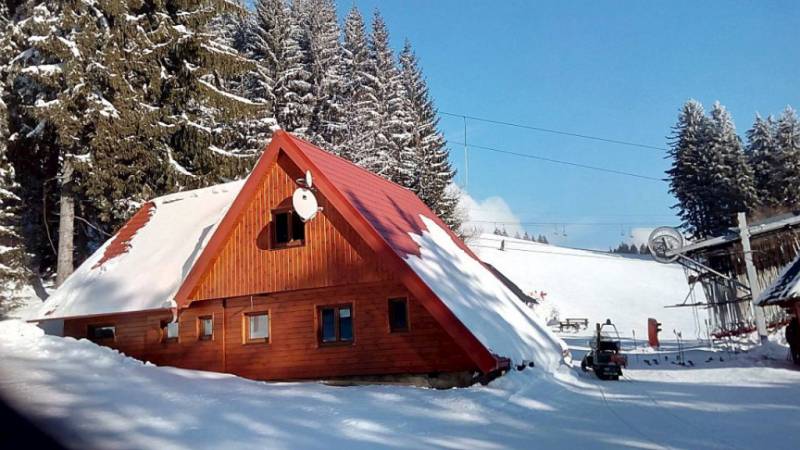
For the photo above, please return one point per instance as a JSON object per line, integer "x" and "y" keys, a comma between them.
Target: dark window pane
{"x": 398, "y": 315}
{"x": 101, "y": 332}
{"x": 298, "y": 228}
{"x": 345, "y": 325}
{"x": 281, "y": 223}
{"x": 328, "y": 325}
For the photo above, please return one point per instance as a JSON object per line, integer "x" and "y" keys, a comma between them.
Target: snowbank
{"x": 497, "y": 317}
{"x": 94, "y": 397}
{"x": 598, "y": 286}
{"x": 172, "y": 239}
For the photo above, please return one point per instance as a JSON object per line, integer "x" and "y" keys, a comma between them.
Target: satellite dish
{"x": 306, "y": 181}
{"x": 664, "y": 240}
{"x": 305, "y": 204}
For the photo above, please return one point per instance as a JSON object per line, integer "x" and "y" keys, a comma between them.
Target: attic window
{"x": 101, "y": 332}
{"x": 288, "y": 230}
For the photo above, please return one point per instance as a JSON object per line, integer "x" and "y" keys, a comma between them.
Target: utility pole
{"x": 755, "y": 289}
{"x": 466, "y": 157}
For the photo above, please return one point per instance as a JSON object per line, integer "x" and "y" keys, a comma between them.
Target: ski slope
{"x": 597, "y": 285}
{"x": 94, "y": 397}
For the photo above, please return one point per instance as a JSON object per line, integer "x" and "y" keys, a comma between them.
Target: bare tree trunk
{"x": 66, "y": 227}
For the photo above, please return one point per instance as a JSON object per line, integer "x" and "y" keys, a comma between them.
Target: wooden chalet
{"x": 230, "y": 279}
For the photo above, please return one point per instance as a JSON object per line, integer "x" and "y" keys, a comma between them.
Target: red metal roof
{"x": 391, "y": 209}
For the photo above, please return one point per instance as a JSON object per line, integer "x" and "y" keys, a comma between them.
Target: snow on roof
{"x": 756, "y": 228}
{"x": 481, "y": 301}
{"x": 159, "y": 256}
{"x": 785, "y": 287}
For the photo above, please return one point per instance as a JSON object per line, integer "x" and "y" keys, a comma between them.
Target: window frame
{"x": 200, "y": 335}
{"x": 273, "y": 238}
{"x": 246, "y": 339}
{"x": 336, "y": 327}
{"x": 165, "y": 334}
{"x": 90, "y": 332}
{"x": 389, "y": 302}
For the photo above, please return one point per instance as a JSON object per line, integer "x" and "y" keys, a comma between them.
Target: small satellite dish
{"x": 306, "y": 181}
{"x": 305, "y": 204}
{"x": 664, "y": 240}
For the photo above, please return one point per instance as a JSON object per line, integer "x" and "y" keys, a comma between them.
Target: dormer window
{"x": 288, "y": 230}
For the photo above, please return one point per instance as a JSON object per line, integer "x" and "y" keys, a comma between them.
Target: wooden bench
{"x": 573, "y": 323}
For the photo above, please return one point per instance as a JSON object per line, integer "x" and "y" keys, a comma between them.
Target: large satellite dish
{"x": 304, "y": 201}
{"x": 664, "y": 242}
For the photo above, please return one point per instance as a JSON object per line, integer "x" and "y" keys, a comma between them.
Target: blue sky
{"x": 619, "y": 70}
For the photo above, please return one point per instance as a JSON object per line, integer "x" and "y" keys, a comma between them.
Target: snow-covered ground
{"x": 598, "y": 286}
{"x": 94, "y": 397}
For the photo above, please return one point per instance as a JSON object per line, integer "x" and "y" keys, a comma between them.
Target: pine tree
{"x": 118, "y": 102}
{"x": 277, "y": 46}
{"x": 787, "y": 173}
{"x": 688, "y": 177}
{"x": 764, "y": 159}
{"x": 384, "y": 100}
{"x": 732, "y": 187}
{"x": 324, "y": 58}
{"x": 248, "y": 136}
{"x": 432, "y": 172}
{"x": 13, "y": 258}
{"x": 358, "y": 92}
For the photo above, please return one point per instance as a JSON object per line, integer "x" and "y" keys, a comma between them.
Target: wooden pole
{"x": 752, "y": 280}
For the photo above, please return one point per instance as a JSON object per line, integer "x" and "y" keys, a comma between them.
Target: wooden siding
{"x": 333, "y": 253}
{"x": 293, "y": 351}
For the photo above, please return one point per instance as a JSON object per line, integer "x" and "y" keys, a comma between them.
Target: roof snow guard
{"x": 482, "y": 315}
{"x": 785, "y": 287}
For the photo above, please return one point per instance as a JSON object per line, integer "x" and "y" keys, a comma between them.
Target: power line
{"x": 615, "y": 224}
{"x": 556, "y": 161}
{"x": 553, "y": 131}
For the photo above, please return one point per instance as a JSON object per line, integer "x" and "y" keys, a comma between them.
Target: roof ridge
{"x": 345, "y": 160}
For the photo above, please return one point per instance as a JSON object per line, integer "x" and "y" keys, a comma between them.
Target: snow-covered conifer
{"x": 14, "y": 270}
{"x": 787, "y": 144}
{"x": 432, "y": 172}
{"x": 276, "y": 46}
{"x": 358, "y": 91}
{"x": 688, "y": 176}
{"x": 387, "y": 116}
{"x": 764, "y": 158}
{"x": 324, "y": 58}
{"x": 732, "y": 187}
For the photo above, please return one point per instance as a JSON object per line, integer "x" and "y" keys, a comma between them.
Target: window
{"x": 101, "y": 332}
{"x": 288, "y": 230}
{"x": 256, "y": 327}
{"x": 336, "y": 324}
{"x": 205, "y": 327}
{"x": 398, "y": 315}
{"x": 169, "y": 331}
